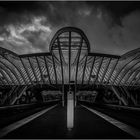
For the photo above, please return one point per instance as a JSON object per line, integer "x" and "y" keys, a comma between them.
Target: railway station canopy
{"x": 69, "y": 60}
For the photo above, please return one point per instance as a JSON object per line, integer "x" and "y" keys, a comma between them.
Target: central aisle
{"x": 53, "y": 125}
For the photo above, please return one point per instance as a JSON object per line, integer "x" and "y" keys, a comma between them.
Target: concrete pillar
{"x": 70, "y": 110}
{"x": 63, "y": 99}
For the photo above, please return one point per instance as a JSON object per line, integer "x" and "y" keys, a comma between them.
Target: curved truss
{"x": 70, "y": 60}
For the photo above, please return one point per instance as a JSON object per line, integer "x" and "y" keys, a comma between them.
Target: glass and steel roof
{"x": 69, "y": 60}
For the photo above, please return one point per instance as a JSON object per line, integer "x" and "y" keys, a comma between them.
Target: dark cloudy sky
{"x": 111, "y": 27}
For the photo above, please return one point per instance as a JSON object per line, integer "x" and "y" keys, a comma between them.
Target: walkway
{"x": 52, "y": 124}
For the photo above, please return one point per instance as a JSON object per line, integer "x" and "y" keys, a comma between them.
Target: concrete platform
{"x": 53, "y": 125}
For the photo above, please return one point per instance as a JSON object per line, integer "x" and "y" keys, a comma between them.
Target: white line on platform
{"x": 127, "y": 128}
{"x": 4, "y": 131}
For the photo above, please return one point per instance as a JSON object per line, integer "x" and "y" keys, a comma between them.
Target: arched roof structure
{"x": 69, "y": 60}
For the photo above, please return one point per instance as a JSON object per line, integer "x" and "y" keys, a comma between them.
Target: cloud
{"x": 127, "y": 36}
{"x": 28, "y": 27}
{"x": 33, "y": 35}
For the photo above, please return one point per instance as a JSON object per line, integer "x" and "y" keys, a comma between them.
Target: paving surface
{"x": 11, "y": 116}
{"x": 129, "y": 117}
{"x": 53, "y": 125}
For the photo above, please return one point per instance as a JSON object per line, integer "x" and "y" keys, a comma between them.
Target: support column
{"x": 70, "y": 110}
{"x": 136, "y": 98}
{"x": 75, "y": 101}
{"x": 63, "y": 99}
